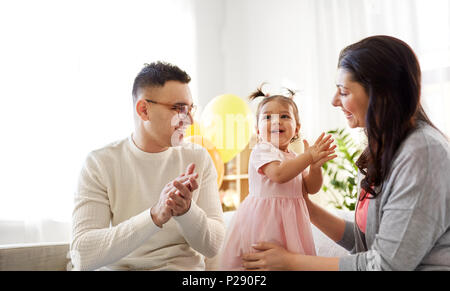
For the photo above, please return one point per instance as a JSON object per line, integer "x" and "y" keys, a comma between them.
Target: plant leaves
{"x": 342, "y": 171}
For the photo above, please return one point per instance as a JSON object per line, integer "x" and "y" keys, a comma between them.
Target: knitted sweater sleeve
{"x": 203, "y": 226}
{"x": 94, "y": 243}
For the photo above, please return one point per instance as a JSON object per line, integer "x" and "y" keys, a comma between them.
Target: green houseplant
{"x": 341, "y": 173}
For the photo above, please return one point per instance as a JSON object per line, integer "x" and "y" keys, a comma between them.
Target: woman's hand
{"x": 270, "y": 257}
{"x": 273, "y": 257}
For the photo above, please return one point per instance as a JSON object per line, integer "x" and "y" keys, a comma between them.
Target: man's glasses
{"x": 178, "y": 107}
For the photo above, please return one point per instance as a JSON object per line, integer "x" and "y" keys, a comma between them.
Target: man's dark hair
{"x": 157, "y": 74}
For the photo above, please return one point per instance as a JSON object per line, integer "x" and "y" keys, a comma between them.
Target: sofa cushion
{"x": 34, "y": 257}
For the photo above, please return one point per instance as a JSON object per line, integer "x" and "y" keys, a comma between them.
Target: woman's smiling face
{"x": 352, "y": 98}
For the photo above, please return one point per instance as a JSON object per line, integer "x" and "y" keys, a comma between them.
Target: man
{"x": 149, "y": 202}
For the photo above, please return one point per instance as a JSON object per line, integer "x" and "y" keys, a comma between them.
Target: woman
{"x": 403, "y": 214}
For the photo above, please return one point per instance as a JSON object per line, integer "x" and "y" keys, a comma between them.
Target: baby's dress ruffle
{"x": 283, "y": 220}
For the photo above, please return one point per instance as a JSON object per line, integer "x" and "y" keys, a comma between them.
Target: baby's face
{"x": 277, "y": 124}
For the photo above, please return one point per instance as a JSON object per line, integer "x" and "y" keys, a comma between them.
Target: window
{"x": 67, "y": 70}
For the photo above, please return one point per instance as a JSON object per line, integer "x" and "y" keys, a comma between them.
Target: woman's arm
{"x": 274, "y": 257}
{"x": 414, "y": 209}
{"x": 330, "y": 224}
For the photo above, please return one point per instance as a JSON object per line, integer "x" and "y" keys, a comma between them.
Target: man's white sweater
{"x": 112, "y": 225}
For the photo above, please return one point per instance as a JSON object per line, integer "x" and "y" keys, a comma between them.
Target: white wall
{"x": 209, "y": 21}
{"x": 293, "y": 43}
{"x": 276, "y": 42}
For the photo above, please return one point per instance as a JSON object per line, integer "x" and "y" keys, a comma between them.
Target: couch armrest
{"x": 34, "y": 257}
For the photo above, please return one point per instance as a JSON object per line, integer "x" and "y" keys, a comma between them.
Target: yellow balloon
{"x": 215, "y": 156}
{"x": 227, "y": 122}
{"x": 193, "y": 129}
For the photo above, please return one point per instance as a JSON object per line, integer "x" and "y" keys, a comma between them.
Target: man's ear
{"x": 141, "y": 110}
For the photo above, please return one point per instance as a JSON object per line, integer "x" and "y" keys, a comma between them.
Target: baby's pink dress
{"x": 271, "y": 212}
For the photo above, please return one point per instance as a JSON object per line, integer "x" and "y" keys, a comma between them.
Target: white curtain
{"x": 296, "y": 44}
{"x": 66, "y": 74}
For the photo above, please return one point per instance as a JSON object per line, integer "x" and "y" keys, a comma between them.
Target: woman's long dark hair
{"x": 390, "y": 73}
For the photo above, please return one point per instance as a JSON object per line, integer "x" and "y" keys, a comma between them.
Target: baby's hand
{"x": 322, "y": 150}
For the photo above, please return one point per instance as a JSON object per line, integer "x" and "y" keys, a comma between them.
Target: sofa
{"x": 54, "y": 256}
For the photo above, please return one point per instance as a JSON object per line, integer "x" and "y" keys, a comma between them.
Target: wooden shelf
{"x": 236, "y": 173}
{"x": 235, "y": 177}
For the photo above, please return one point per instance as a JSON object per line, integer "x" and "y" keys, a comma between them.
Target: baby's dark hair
{"x": 289, "y": 99}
